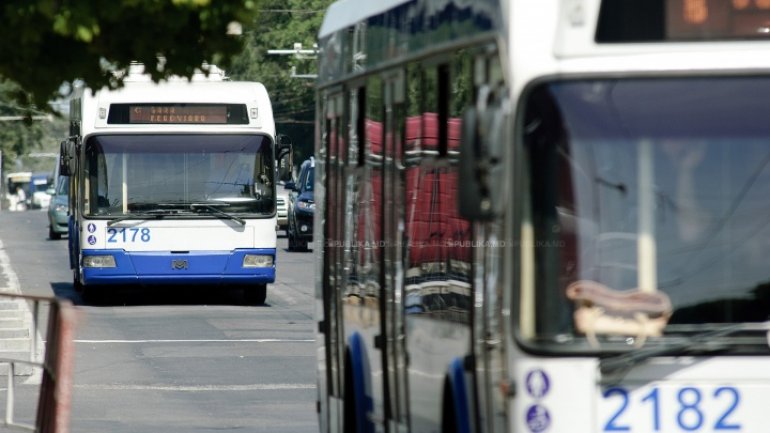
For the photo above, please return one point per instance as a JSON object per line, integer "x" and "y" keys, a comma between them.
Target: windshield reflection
{"x": 682, "y": 163}
{"x": 141, "y": 173}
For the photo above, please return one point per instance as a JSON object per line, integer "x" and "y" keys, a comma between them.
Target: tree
{"x": 279, "y": 25}
{"x": 19, "y": 134}
{"x": 49, "y": 42}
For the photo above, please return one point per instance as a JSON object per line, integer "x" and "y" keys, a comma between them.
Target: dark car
{"x": 301, "y": 207}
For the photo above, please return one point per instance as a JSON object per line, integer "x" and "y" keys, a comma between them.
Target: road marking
{"x": 245, "y": 340}
{"x": 195, "y": 388}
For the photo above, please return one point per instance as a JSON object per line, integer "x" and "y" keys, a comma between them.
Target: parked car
{"x": 59, "y": 208}
{"x": 282, "y": 207}
{"x": 301, "y": 207}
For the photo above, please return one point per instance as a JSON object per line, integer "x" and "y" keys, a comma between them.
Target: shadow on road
{"x": 117, "y": 295}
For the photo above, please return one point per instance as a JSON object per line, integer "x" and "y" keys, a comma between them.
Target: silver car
{"x": 58, "y": 208}
{"x": 282, "y": 208}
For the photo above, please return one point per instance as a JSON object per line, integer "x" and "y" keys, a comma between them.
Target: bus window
{"x": 137, "y": 173}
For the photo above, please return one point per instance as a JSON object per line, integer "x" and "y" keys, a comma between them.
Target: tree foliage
{"x": 21, "y": 134}
{"x": 48, "y": 42}
{"x": 279, "y": 25}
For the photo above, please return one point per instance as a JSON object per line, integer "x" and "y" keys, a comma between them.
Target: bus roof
{"x": 189, "y": 92}
{"x": 345, "y": 13}
{"x": 92, "y": 109}
{"x": 360, "y": 37}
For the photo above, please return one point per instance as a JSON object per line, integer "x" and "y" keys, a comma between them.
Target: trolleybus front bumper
{"x": 243, "y": 266}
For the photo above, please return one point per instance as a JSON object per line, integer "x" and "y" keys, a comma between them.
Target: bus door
{"x": 393, "y": 272}
{"x": 493, "y": 123}
{"x": 72, "y": 159}
{"x": 331, "y": 172}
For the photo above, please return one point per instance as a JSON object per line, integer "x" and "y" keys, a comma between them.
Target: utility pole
{"x": 47, "y": 117}
{"x": 300, "y": 54}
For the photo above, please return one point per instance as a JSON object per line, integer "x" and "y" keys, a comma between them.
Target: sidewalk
{"x": 16, "y": 323}
{"x": 9, "y": 282}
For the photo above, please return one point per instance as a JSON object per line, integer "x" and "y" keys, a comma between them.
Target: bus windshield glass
{"x": 128, "y": 174}
{"x": 649, "y": 200}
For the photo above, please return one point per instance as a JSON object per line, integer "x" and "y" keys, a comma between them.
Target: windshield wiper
{"x": 613, "y": 368}
{"x": 145, "y": 215}
{"x": 213, "y": 209}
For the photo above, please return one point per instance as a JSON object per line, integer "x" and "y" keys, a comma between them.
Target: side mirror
{"x": 290, "y": 185}
{"x": 66, "y": 157}
{"x": 283, "y": 156}
{"x": 283, "y": 146}
{"x": 64, "y": 167}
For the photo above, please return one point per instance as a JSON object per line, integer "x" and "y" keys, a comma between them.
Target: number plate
{"x": 684, "y": 407}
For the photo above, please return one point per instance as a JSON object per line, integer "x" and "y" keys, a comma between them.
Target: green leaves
{"x": 48, "y": 42}
{"x": 279, "y": 25}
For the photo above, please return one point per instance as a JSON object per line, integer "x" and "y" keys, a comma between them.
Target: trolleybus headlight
{"x": 99, "y": 261}
{"x": 257, "y": 261}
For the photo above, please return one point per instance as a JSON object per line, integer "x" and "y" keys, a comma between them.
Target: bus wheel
{"x": 349, "y": 423}
{"x": 256, "y": 294}
{"x": 448, "y": 412}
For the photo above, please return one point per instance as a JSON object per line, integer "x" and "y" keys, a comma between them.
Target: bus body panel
{"x": 212, "y": 251}
{"x": 178, "y": 235}
{"x": 432, "y": 345}
{"x": 204, "y": 267}
{"x": 667, "y": 394}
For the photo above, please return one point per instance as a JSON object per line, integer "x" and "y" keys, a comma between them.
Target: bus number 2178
{"x": 124, "y": 235}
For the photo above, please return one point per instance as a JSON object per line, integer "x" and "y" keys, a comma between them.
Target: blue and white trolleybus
{"x": 172, "y": 183}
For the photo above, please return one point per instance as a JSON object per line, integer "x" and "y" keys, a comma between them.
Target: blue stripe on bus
{"x": 363, "y": 401}
{"x": 460, "y": 395}
{"x": 155, "y": 267}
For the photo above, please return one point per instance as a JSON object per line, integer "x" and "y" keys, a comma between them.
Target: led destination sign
{"x": 682, "y": 20}
{"x": 201, "y": 114}
{"x": 181, "y": 114}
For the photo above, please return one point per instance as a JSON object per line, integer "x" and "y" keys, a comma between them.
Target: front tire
{"x": 256, "y": 294}
{"x": 292, "y": 240}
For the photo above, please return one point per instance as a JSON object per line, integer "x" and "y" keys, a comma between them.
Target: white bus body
{"x": 543, "y": 216}
{"x": 173, "y": 183}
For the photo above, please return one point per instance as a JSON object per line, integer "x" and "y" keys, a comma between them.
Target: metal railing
{"x": 54, "y": 367}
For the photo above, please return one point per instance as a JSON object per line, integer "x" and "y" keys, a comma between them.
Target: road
{"x": 181, "y": 360}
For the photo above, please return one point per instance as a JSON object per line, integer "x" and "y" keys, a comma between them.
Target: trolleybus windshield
{"x": 699, "y": 148}
{"x": 180, "y": 174}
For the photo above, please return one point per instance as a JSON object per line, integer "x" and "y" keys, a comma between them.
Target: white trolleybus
{"x": 172, "y": 184}
{"x": 544, "y": 216}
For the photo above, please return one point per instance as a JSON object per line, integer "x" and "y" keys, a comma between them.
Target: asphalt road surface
{"x": 182, "y": 360}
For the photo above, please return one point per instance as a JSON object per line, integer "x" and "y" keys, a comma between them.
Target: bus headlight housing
{"x": 306, "y": 205}
{"x": 257, "y": 261}
{"x": 103, "y": 261}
